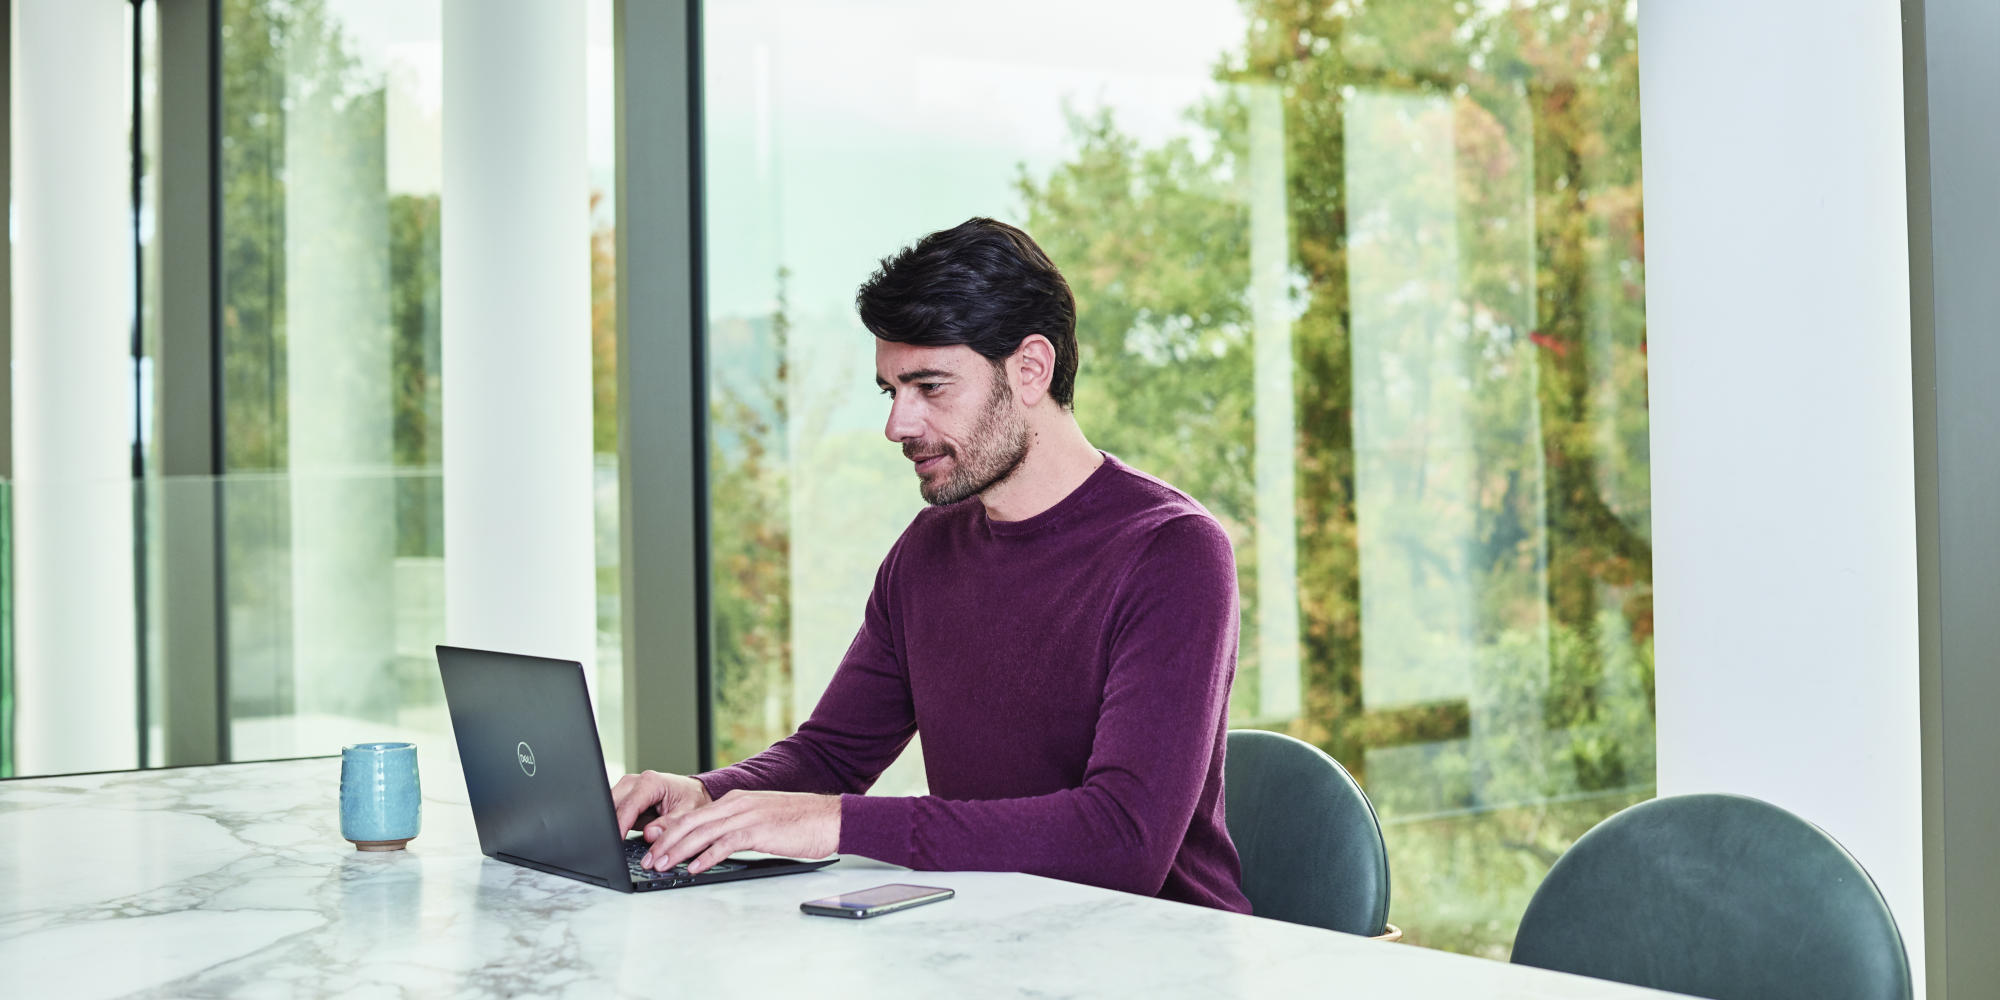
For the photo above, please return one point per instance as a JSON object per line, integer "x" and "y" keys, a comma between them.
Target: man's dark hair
{"x": 981, "y": 283}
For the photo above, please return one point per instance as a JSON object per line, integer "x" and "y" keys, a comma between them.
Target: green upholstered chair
{"x": 1716, "y": 896}
{"x": 1311, "y": 849}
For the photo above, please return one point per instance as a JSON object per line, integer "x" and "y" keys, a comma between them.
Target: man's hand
{"x": 795, "y": 824}
{"x": 641, "y": 798}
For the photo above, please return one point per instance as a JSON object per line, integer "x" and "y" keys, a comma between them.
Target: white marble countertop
{"x": 233, "y": 881}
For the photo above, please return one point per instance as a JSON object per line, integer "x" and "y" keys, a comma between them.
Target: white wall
{"x": 1777, "y": 294}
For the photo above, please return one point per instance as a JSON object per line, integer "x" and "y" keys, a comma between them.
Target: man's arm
{"x": 857, "y": 729}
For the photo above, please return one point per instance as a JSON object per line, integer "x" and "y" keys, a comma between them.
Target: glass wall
{"x": 322, "y": 536}
{"x": 601, "y": 120}
{"x": 332, "y": 438}
{"x": 1366, "y": 280}
{"x": 331, "y": 499}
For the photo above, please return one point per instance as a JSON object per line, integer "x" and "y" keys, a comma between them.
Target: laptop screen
{"x": 534, "y": 769}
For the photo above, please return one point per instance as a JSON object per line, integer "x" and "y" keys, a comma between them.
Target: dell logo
{"x": 526, "y": 755}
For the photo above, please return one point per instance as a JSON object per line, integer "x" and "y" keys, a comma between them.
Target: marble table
{"x": 233, "y": 881}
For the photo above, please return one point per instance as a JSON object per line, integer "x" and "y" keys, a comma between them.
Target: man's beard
{"x": 992, "y": 451}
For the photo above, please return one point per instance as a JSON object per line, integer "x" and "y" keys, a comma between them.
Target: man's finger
{"x": 655, "y": 823}
{"x": 716, "y": 852}
{"x": 630, "y": 798}
{"x": 704, "y": 827}
{"x": 631, "y": 810}
{"x": 673, "y": 827}
{"x": 683, "y": 839}
{"x": 667, "y": 834}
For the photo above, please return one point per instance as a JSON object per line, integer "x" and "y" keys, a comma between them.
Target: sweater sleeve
{"x": 1173, "y": 655}
{"x": 860, "y": 725}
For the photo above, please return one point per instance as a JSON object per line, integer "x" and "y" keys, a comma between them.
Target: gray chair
{"x": 1311, "y": 849}
{"x": 1717, "y": 896}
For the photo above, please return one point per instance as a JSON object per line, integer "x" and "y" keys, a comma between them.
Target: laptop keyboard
{"x": 635, "y": 850}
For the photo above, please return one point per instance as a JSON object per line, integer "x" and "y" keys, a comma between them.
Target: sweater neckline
{"x": 1062, "y": 510}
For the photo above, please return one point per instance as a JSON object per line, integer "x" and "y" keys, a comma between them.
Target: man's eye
{"x": 930, "y": 388}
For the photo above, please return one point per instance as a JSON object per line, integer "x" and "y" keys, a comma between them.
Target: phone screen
{"x": 881, "y": 895}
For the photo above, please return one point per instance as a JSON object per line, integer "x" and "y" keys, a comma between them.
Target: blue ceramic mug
{"x": 381, "y": 807}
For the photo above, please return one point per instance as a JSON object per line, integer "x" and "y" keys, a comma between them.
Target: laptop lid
{"x": 533, "y": 767}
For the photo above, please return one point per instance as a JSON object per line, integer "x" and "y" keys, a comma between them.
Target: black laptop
{"x": 536, "y": 777}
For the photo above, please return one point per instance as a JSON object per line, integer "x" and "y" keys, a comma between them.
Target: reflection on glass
{"x": 332, "y": 513}
{"x": 330, "y": 214}
{"x": 1365, "y": 280}
{"x": 326, "y": 527}
{"x": 601, "y": 134}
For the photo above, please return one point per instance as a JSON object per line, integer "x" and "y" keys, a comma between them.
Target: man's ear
{"x": 1031, "y": 367}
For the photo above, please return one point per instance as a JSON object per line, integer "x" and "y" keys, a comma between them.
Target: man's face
{"x": 954, "y": 415}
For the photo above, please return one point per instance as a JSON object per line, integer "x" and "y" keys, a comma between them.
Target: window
{"x": 256, "y": 546}
{"x": 1366, "y": 281}
{"x": 332, "y": 420}
{"x": 330, "y": 496}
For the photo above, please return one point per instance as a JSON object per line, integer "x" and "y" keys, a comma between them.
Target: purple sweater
{"x": 1070, "y": 674}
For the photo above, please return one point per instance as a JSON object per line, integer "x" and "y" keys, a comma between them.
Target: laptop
{"x": 536, "y": 777}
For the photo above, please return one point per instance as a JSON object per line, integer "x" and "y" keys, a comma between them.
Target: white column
{"x": 519, "y": 571}
{"x": 1276, "y": 433}
{"x": 1777, "y": 299}
{"x": 74, "y": 638}
{"x": 343, "y": 523}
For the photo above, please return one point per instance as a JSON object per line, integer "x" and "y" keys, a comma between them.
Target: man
{"x": 1060, "y": 627}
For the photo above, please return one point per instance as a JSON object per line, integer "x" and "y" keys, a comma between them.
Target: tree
{"x": 1528, "y": 355}
{"x": 750, "y": 540}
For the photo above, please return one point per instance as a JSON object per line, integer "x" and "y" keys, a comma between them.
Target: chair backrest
{"x": 1716, "y": 896}
{"x": 1312, "y": 852}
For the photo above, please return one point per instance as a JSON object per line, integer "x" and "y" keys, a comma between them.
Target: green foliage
{"x": 1462, "y": 880}
{"x": 415, "y": 393}
{"x": 603, "y": 334}
{"x": 283, "y": 60}
{"x": 1504, "y": 343}
{"x": 750, "y": 663}
{"x": 252, "y": 236}
{"x": 274, "y": 54}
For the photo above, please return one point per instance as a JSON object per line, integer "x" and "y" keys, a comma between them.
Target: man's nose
{"x": 904, "y": 422}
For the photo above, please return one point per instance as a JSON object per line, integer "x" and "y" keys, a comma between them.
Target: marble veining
{"x": 233, "y": 881}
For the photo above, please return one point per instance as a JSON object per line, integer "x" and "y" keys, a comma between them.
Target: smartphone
{"x": 872, "y": 902}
